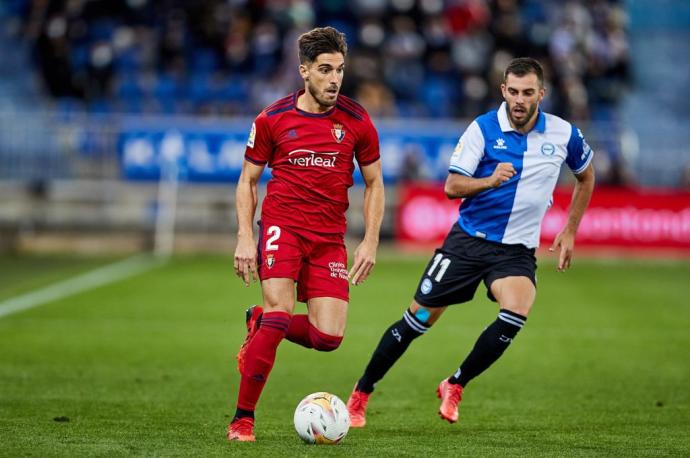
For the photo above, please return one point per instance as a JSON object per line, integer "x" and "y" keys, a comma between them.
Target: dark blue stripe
{"x": 275, "y": 319}
{"x": 278, "y": 107}
{"x": 279, "y": 328}
{"x": 349, "y": 99}
{"x": 275, "y": 324}
{"x": 254, "y": 161}
{"x": 348, "y": 111}
{"x": 270, "y": 319}
{"x": 354, "y": 106}
{"x": 278, "y": 102}
{"x": 279, "y": 110}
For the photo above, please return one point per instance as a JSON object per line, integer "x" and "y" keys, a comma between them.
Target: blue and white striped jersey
{"x": 512, "y": 213}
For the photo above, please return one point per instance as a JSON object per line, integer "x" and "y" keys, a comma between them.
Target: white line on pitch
{"x": 110, "y": 273}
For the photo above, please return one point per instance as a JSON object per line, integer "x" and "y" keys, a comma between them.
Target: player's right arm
{"x": 246, "y": 199}
{"x": 256, "y": 156}
{"x": 579, "y": 160}
{"x": 461, "y": 186}
{"x": 468, "y": 153}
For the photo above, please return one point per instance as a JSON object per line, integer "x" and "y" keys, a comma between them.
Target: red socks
{"x": 261, "y": 352}
{"x": 322, "y": 341}
{"x": 298, "y": 332}
{"x": 303, "y": 333}
{"x": 260, "y": 356}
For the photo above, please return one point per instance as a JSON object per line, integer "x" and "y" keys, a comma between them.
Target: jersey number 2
{"x": 438, "y": 259}
{"x": 274, "y": 234}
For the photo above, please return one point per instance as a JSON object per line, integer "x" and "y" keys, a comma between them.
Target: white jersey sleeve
{"x": 468, "y": 152}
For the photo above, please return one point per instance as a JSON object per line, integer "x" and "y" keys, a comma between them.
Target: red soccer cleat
{"x": 242, "y": 430}
{"x": 357, "y": 408}
{"x": 253, "y": 319}
{"x": 450, "y": 395}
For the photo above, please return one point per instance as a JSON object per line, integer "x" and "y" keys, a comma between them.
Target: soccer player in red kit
{"x": 310, "y": 140}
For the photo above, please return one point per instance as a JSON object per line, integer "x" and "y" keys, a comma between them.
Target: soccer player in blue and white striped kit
{"x": 505, "y": 167}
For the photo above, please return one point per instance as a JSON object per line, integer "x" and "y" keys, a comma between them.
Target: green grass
{"x": 23, "y": 274}
{"x": 145, "y": 367}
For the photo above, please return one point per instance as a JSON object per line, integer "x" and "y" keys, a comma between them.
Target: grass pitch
{"x": 145, "y": 366}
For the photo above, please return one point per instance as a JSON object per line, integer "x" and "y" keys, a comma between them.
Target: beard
{"x": 321, "y": 98}
{"x": 521, "y": 123}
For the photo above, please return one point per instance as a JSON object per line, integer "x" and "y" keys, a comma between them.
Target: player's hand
{"x": 365, "y": 258}
{"x": 566, "y": 241}
{"x": 503, "y": 172}
{"x": 245, "y": 260}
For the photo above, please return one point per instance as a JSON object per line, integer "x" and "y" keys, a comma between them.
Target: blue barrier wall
{"x": 214, "y": 151}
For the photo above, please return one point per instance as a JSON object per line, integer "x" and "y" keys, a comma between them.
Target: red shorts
{"x": 317, "y": 264}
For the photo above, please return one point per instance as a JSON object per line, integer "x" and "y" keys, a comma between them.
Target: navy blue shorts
{"x": 454, "y": 272}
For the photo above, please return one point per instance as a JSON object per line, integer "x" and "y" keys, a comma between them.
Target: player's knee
{"x": 323, "y": 342}
{"x": 426, "y": 316}
{"x": 278, "y": 304}
{"x": 520, "y": 309}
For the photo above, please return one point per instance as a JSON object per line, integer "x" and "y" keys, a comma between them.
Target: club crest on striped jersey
{"x": 338, "y": 132}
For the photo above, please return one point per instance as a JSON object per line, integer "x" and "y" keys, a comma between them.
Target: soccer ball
{"x": 321, "y": 418}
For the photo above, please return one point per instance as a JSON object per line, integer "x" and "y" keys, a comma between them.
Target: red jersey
{"x": 311, "y": 157}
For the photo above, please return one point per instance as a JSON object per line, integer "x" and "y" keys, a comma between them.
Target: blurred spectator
{"x": 377, "y": 99}
{"x": 408, "y": 58}
{"x": 98, "y": 49}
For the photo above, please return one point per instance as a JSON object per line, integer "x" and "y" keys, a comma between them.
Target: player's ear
{"x": 304, "y": 72}
{"x": 503, "y": 90}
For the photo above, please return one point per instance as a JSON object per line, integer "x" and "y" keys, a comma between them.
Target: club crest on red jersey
{"x": 270, "y": 260}
{"x": 338, "y": 132}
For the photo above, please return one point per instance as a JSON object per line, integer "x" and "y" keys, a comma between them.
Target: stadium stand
{"x": 78, "y": 74}
{"x": 409, "y": 59}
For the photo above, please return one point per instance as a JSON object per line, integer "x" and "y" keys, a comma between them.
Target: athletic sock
{"x": 298, "y": 332}
{"x": 393, "y": 344}
{"x": 241, "y": 413}
{"x": 307, "y": 335}
{"x": 489, "y": 346}
{"x": 322, "y": 341}
{"x": 260, "y": 356}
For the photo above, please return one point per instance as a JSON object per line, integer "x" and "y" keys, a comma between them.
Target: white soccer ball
{"x": 322, "y": 418}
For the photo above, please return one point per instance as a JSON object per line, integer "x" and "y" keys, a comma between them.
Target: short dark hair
{"x": 521, "y": 66}
{"x": 319, "y": 41}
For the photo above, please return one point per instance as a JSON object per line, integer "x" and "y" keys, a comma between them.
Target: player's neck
{"x": 306, "y": 102}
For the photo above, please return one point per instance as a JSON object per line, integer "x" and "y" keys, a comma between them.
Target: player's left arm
{"x": 374, "y": 200}
{"x": 565, "y": 240}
